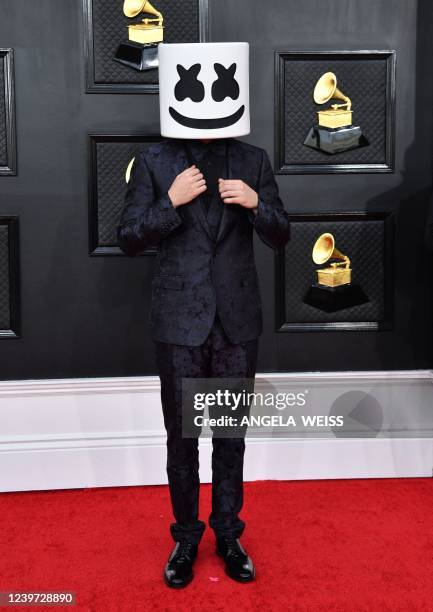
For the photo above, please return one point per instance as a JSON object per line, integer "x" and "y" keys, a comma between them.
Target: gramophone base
{"x": 333, "y": 299}
{"x": 136, "y": 55}
{"x": 332, "y": 141}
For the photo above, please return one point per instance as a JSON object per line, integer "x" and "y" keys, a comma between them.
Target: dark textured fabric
{"x": 206, "y": 311}
{"x": 210, "y": 158}
{"x": 197, "y": 275}
{"x": 216, "y": 357}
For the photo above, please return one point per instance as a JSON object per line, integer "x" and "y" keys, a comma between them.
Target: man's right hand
{"x": 186, "y": 186}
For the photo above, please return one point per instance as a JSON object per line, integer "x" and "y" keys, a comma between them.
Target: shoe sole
{"x": 237, "y": 578}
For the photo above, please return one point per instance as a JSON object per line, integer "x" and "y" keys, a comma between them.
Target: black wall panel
{"x": 7, "y": 114}
{"x": 3, "y": 127}
{"x": 9, "y": 278}
{"x": 110, "y": 156}
{"x": 89, "y": 316}
{"x": 106, "y": 26}
{"x": 367, "y": 239}
{"x": 369, "y": 77}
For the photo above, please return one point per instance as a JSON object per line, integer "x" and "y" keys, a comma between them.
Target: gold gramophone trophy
{"x": 334, "y": 289}
{"x": 334, "y": 132}
{"x": 140, "y": 51}
{"x": 338, "y": 272}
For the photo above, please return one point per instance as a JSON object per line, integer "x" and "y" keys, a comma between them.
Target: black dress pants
{"x": 217, "y": 357}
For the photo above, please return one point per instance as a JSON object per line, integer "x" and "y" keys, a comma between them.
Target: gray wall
{"x": 79, "y": 313}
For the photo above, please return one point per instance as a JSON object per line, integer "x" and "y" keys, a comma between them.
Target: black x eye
{"x": 225, "y": 85}
{"x": 188, "y": 85}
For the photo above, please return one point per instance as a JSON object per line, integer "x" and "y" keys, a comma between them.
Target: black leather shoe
{"x": 178, "y": 571}
{"x": 239, "y": 565}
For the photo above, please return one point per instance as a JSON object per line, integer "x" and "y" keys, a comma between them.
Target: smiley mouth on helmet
{"x": 206, "y": 124}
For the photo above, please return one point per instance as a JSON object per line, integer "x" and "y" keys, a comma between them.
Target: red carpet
{"x": 326, "y": 545}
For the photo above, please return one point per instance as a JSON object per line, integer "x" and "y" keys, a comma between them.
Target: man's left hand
{"x": 237, "y": 192}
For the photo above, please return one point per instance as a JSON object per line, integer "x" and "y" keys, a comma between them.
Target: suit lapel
{"x": 180, "y": 164}
{"x": 196, "y": 207}
{"x": 232, "y": 171}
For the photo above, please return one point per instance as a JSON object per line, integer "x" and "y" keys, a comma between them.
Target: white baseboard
{"x": 73, "y": 433}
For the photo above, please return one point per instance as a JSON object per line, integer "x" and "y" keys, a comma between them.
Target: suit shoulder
{"x": 157, "y": 149}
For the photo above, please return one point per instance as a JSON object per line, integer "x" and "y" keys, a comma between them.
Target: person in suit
{"x": 199, "y": 200}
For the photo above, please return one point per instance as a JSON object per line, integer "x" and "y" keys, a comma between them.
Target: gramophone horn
{"x": 324, "y": 249}
{"x": 326, "y": 89}
{"x": 128, "y": 170}
{"x": 132, "y": 8}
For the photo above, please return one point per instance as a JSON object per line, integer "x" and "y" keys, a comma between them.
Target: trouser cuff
{"x": 190, "y": 533}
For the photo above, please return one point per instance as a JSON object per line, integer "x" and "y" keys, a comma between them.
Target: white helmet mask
{"x": 204, "y": 90}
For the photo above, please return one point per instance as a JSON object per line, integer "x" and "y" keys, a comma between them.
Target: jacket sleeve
{"x": 270, "y": 221}
{"x": 429, "y": 228}
{"x": 145, "y": 220}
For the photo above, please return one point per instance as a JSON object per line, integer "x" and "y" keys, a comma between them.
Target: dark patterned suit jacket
{"x": 195, "y": 274}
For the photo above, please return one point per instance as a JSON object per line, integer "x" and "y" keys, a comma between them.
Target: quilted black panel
{"x": 181, "y": 24}
{"x": 363, "y": 241}
{"x": 3, "y": 143}
{"x": 363, "y": 80}
{"x": 112, "y": 159}
{"x": 5, "y": 321}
